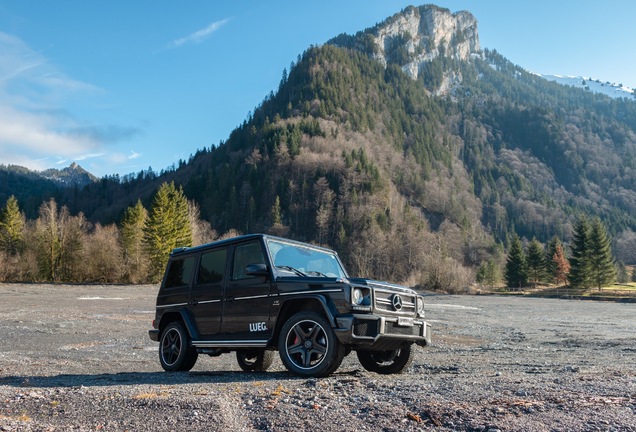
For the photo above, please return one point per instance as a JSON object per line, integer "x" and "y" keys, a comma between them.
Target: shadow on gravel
{"x": 140, "y": 378}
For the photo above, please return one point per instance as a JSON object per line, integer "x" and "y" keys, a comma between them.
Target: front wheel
{"x": 175, "y": 351}
{"x": 308, "y": 345}
{"x": 387, "y": 362}
{"x": 255, "y": 360}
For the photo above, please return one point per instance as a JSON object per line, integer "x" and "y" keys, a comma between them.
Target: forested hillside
{"x": 417, "y": 180}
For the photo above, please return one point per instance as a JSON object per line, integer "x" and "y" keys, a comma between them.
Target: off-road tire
{"x": 175, "y": 350}
{"x": 254, "y": 360}
{"x": 387, "y": 362}
{"x": 308, "y": 345}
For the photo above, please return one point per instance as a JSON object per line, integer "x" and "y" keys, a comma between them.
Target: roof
{"x": 241, "y": 238}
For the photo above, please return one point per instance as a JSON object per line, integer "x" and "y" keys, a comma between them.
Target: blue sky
{"x": 121, "y": 86}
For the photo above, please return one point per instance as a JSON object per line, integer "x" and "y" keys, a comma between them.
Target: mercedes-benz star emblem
{"x": 396, "y": 301}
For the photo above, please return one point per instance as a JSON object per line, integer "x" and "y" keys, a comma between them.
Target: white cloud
{"x": 199, "y": 35}
{"x": 38, "y": 105}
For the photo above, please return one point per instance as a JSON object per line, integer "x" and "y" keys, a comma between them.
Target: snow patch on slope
{"x": 613, "y": 90}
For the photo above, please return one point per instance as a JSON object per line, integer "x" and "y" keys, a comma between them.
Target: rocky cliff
{"x": 417, "y": 38}
{"x": 418, "y": 35}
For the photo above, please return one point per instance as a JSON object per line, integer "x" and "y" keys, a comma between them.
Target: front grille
{"x": 384, "y": 302}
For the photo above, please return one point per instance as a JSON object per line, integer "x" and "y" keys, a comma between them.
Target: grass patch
{"x": 152, "y": 395}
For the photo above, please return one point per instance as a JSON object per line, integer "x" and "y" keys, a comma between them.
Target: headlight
{"x": 420, "y": 306}
{"x": 357, "y": 297}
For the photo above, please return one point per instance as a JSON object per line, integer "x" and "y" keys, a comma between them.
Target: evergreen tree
{"x": 167, "y": 227}
{"x": 535, "y": 261}
{"x": 603, "y": 271}
{"x": 580, "y": 266}
{"x": 621, "y": 273}
{"x": 634, "y": 274}
{"x": 11, "y": 227}
{"x": 132, "y": 241}
{"x": 550, "y": 264}
{"x": 562, "y": 266}
{"x": 274, "y": 213}
{"x": 488, "y": 273}
{"x": 516, "y": 272}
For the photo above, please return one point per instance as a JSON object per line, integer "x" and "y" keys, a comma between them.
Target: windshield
{"x": 301, "y": 259}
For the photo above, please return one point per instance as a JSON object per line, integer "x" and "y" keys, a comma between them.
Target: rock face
{"x": 418, "y": 35}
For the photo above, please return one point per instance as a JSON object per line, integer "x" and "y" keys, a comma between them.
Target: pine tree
{"x": 11, "y": 227}
{"x": 621, "y": 273}
{"x": 550, "y": 264}
{"x": 603, "y": 271}
{"x": 274, "y": 213}
{"x": 132, "y": 241}
{"x": 535, "y": 261}
{"x": 489, "y": 273}
{"x": 562, "y": 266}
{"x": 580, "y": 271}
{"x": 167, "y": 227}
{"x": 516, "y": 272}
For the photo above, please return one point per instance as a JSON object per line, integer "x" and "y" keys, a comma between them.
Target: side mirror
{"x": 256, "y": 270}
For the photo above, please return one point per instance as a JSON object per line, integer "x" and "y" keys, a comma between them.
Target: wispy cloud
{"x": 199, "y": 35}
{"x": 38, "y": 125}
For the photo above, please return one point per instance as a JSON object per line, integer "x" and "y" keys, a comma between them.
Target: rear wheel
{"x": 387, "y": 362}
{"x": 175, "y": 351}
{"x": 255, "y": 360}
{"x": 308, "y": 345}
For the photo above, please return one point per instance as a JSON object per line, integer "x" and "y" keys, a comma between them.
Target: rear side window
{"x": 180, "y": 272}
{"x": 251, "y": 253}
{"x": 212, "y": 267}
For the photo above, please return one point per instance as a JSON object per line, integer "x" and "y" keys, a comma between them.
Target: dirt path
{"x": 78, "y": 357}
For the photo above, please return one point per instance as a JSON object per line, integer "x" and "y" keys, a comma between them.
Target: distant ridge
{"x": 73, "y": 175}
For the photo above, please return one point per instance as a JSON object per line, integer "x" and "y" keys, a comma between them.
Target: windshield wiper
{"x": 317, "y": 273}
{"x": 292, "y": 269}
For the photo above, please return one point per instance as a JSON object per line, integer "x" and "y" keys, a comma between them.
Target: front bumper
{"x": 380, "y": 332}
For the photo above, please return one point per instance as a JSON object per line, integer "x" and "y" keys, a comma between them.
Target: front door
{"x": 246, "y": 300}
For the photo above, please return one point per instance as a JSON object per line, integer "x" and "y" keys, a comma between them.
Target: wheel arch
{"x": 315, "y": 303}
{"x": 181, "y": 316}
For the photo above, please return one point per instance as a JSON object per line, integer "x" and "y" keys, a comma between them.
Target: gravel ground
{"x": 79, "y": 358}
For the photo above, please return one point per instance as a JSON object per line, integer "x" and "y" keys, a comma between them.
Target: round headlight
{"x": 357, "y": 297}
{"x": 420, "y": 306}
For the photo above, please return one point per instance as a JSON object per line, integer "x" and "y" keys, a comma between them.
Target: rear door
{"x": 246, "y": 301}
{"x": 206, "y": 296}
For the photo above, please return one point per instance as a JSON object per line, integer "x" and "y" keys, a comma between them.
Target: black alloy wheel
{"x": 175, "y": 351}
{"x": 308, "y": 345}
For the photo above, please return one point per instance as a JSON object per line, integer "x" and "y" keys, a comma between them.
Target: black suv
{"x": 255, "y": 294}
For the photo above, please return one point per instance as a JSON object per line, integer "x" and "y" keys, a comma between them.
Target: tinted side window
{"x": 251, "y": 253}
{"x": 212, "y": 267}
{"x": 180, "y": 272}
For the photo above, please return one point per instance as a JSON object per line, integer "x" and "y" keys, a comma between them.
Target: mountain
{"x": 71, "y": 176}
{"x": 33, "y": 187}
{"x": 411, "y": 150}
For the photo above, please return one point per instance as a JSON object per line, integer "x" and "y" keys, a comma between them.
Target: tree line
{"x": 590, "y": 264}
{"x": 60, "y": 247}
